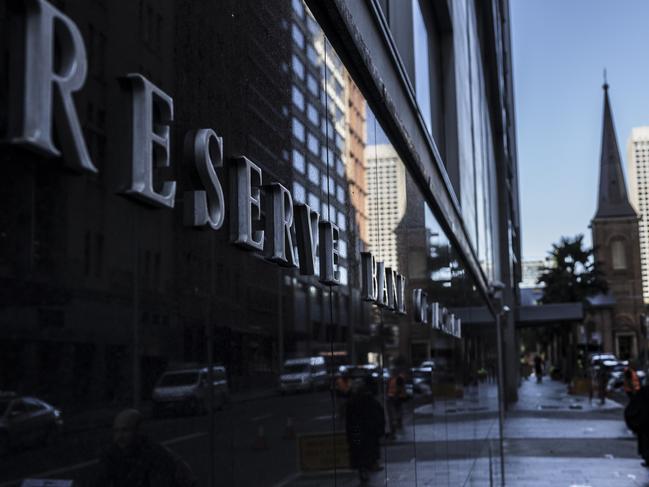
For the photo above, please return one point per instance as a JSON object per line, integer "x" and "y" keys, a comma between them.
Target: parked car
{"x": 303, "y": 374}
{"x": 596, "y": 359}
{"x": 27, "y": 421}
{"x": 361, "y": 371}
{"x": 616, "y": 374}
{"x": 422, "y": 379}
{"x": 427, "y": 364}
{"x": 187, "y": 390}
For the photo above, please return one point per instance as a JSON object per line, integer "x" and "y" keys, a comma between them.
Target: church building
{"x": 617, "y": 316}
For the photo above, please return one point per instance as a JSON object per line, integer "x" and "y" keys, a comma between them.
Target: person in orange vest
{"x": 631, "y": 380}
{"x": 396, "y": 395}
{"x": 343, "y": 384}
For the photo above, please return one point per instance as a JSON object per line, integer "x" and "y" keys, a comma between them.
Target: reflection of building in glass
{"x": 101, "y": 293}
{"x": 386, "y": 201}
{"x": 531, "y": 270}
{"x": 327, "y": 151}
{"x": 638, "y": 170}
{"x": 355, "y": 157}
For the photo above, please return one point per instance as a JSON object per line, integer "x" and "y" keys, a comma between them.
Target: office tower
{"x": 638, "y": 165}
{"x": 386, "y": 201}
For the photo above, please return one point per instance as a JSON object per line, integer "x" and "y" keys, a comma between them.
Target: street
{"x": 447, "y": 429}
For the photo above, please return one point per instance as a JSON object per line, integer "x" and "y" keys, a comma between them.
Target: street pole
{"x": 209, "y": 329}
{"x": 210, "y": 400}
{"x": 501, "y": 396}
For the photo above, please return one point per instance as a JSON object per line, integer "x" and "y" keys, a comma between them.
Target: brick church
{"x": 615, "y": 319}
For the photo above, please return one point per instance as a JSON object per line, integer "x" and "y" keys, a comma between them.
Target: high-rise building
{"x": 638, "y": 167}
{"x": 386, "y": 201}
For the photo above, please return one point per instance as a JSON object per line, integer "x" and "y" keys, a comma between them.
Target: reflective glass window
{"x": 298, "y": 66}
{"x": 298, "y": 160}
{"x": 313, "y": 144}
{"x": 298, "y": 130}
{"x": 299, "y": 194}
{"x": 313, "y": 173}
{"x": 312, "y": 114}
{"x": 298, "y": 98}
{"x": 298, "y": 36}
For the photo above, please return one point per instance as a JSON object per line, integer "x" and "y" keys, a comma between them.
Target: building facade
{"x": 616, "y": 243}
{"x": 209, "y": 191}
{"x": 637, "y": 167}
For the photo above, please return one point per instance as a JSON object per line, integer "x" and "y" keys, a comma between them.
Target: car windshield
{"x": 4, "y": 403}
{"x": 179, "y": 379}
{"x": 296, "y": 368}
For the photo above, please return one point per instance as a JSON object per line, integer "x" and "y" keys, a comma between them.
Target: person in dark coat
{"x": 538, "y": 368}
{"x": 135, "y": 461}
{"x": 365, "y": 425}
{"x": 637, "y": 420}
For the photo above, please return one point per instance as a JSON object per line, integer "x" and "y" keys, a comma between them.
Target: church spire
{"x": 612, "y": 199}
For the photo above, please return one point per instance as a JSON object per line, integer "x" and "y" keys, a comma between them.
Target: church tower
{"x": 617, "y": 249}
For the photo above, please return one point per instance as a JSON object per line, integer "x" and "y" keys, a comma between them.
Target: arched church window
{"x": 619, "y": 255}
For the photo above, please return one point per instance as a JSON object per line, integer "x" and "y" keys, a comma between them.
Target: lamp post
{"x": 495, "y": 292}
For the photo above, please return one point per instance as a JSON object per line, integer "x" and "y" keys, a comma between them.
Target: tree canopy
{"x": 572, "y": 274}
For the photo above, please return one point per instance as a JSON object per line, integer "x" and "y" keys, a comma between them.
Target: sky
{"x": 560, "y": 49}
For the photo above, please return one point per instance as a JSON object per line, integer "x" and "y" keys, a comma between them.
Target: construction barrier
{"x": 322, "y": 451}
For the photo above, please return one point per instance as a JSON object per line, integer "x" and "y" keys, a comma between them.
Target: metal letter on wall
{"x": 393, "y": 298}
{"x": 245, "y": 204}
{"x": 434, "y": 315}
{"x": 306, "y": 231}
{"x": 150, "y": 141}
{"x": 329, "y": 253}
{"x": 369, "y": 285}
{"x": 279, "y": 219}
{"x": 41, "y": 87}
{"x": 382, "y": 285}
{"x": 443, "y": 320}
{"x": 401, "y": 294}
{"x": 205, "y": 208}
{"x": 420, "y": 305}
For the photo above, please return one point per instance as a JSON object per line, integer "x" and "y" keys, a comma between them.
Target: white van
{"x": 303, "y": 374}
{"x": 186, "y": 390}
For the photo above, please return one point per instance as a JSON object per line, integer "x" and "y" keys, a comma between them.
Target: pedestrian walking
{"x": 135, "y": 461}
{"x": 538, "y": 368}
{"x": 343, "y": 386}
{"x": 602, "y": 382}
{"x": 637, "y": 420}
{"x": 631, "y": 380}
{"x": 396, "y": 396}
{"x": 364, "y": 425}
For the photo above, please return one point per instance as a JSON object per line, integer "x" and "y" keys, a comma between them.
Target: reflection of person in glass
{"x": 365, "y": 425}
{"x": 396, "y": 395}
{"x": 538, "y": 368}
{"x": 134, "y": 461}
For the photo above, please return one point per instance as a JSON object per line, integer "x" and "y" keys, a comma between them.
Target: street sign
{"x": 46, "y": 483}
{"x": 322, "y": 451}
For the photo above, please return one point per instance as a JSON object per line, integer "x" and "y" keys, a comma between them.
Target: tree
{"x": 572, "y": 275}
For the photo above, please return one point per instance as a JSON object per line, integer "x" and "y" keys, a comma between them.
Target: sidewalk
{"x": 553, "y": 438}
